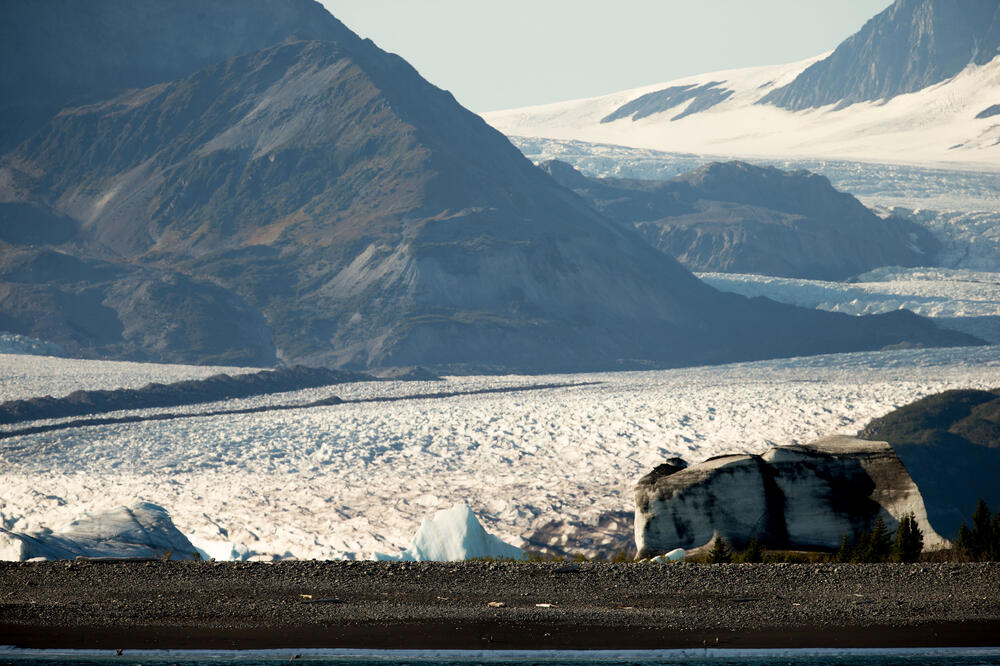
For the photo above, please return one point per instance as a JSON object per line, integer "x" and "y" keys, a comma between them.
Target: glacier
{"x": 548, "y": 469}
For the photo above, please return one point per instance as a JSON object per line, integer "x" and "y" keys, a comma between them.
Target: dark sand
{"x": 447, "y": 605}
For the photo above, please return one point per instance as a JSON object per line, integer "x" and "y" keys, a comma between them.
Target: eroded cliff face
{"x": 803, "y": 496}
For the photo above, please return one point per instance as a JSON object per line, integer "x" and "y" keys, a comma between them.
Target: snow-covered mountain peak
{"x": 917, "y": 84}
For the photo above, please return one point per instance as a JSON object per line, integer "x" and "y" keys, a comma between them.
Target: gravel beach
{"x": 501, "y": 605}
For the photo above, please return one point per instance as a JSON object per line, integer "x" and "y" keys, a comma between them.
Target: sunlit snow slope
{"x": 542, "y": 467}
{"x": 718, "y": 113}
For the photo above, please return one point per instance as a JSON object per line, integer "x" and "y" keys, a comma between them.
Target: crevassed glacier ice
{"x": 451, "y": 535}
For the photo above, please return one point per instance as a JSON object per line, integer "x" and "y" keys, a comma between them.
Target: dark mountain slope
{"x": 54, "y": 53}
{"x": 739, "y": 218}
{"x": 909, "y": 46}
{"x": 95, "y": 308}
{"x": 371, "y": 221}
{"x": 950, "y": 443}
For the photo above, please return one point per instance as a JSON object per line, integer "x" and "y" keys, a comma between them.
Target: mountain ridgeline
{"x": 909, "y": 46}
{"x": 316, "y": 201}
{"x": 735, "y": 217}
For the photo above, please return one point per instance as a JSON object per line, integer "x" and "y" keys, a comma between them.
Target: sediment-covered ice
{"x": 453, "y": 535}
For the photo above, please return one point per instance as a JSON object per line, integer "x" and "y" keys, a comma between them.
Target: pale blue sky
{"x": 495, "y": 55}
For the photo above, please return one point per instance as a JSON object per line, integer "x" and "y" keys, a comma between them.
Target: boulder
{"x": 792, "y": 497}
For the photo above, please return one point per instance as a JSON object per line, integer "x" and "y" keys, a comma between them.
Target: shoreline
{"x": 496, "y": 636}
{"x": 496, "y": 605}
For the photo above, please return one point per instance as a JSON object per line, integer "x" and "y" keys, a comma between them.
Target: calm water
{"x": 948, "y": 656}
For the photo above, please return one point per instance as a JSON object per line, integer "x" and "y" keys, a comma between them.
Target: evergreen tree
{"x": 753, "y": 553}
{"x": 720, "y": 553}
{"x": 862, "y": 551}
{"x": 963, "y": 543}
{"x": 909, "y": 540}
{"x": 874, "y": 545}
{"x": 995, "y": 549}
{"x": 881, "y": 542}
{"x": 845, "y": 553}
{"x": 982, "y": 532}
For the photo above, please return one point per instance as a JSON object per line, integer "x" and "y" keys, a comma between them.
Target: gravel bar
{"x": 503, "y": 605}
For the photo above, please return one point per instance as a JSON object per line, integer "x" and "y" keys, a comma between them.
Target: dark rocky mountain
{"x": 319, "y": 202}
{"x": 909, "y": 46}
{"x": 54, "y": 53}
{"x": 735, "y": 217}
{"x": 950, "y": 443}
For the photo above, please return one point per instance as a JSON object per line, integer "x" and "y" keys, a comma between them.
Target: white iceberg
{"x": 676, "y": 555}
{"x": 451, "y": 535}
{"x": 143, "y": 530}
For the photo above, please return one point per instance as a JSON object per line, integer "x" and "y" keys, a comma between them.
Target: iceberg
{"x": 676, "y": 555}
{"x": 142, "y": 530}
{"x": 451, "y": 535}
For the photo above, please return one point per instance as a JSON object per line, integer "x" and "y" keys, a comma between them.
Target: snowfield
{"x": 933, "y": 126}
{"x": 556, "y": 464}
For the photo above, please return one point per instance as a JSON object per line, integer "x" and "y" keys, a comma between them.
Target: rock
{"x": 792, "y": 497}
{"x": 907, "y": 47}
{"x": 143, "y": 530}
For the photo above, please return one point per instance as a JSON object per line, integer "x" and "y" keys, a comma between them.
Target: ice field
{"x": 551, "y": 464}
{"x": 967, "y": 301}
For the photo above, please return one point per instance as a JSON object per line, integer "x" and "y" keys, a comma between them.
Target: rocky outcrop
{"x": 735, "y": 217}
{"x": 142, "y": 530}
{"x": 950, "y": 443}
{"x": 797, "y": 497}
{"x": 909, "y": 46}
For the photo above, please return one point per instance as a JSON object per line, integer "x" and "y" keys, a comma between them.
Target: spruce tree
{"x": 881, "y": 542}
{"x": 909, "y": 540}
{"x": 995, "y": 550}
{"x": 982, "y": 532}
{"x": 862, "y": 551}
{"x": 963, "y": 543}
{"x": 845, "y": 553}
{"x": 753, "y": 552}
{"x": 720, "y": 553}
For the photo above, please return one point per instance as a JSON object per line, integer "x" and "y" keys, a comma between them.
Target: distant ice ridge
{"x": 453, "y": 535}
{"x": 142, "y": 530}
{"x": 968, "y": 301}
